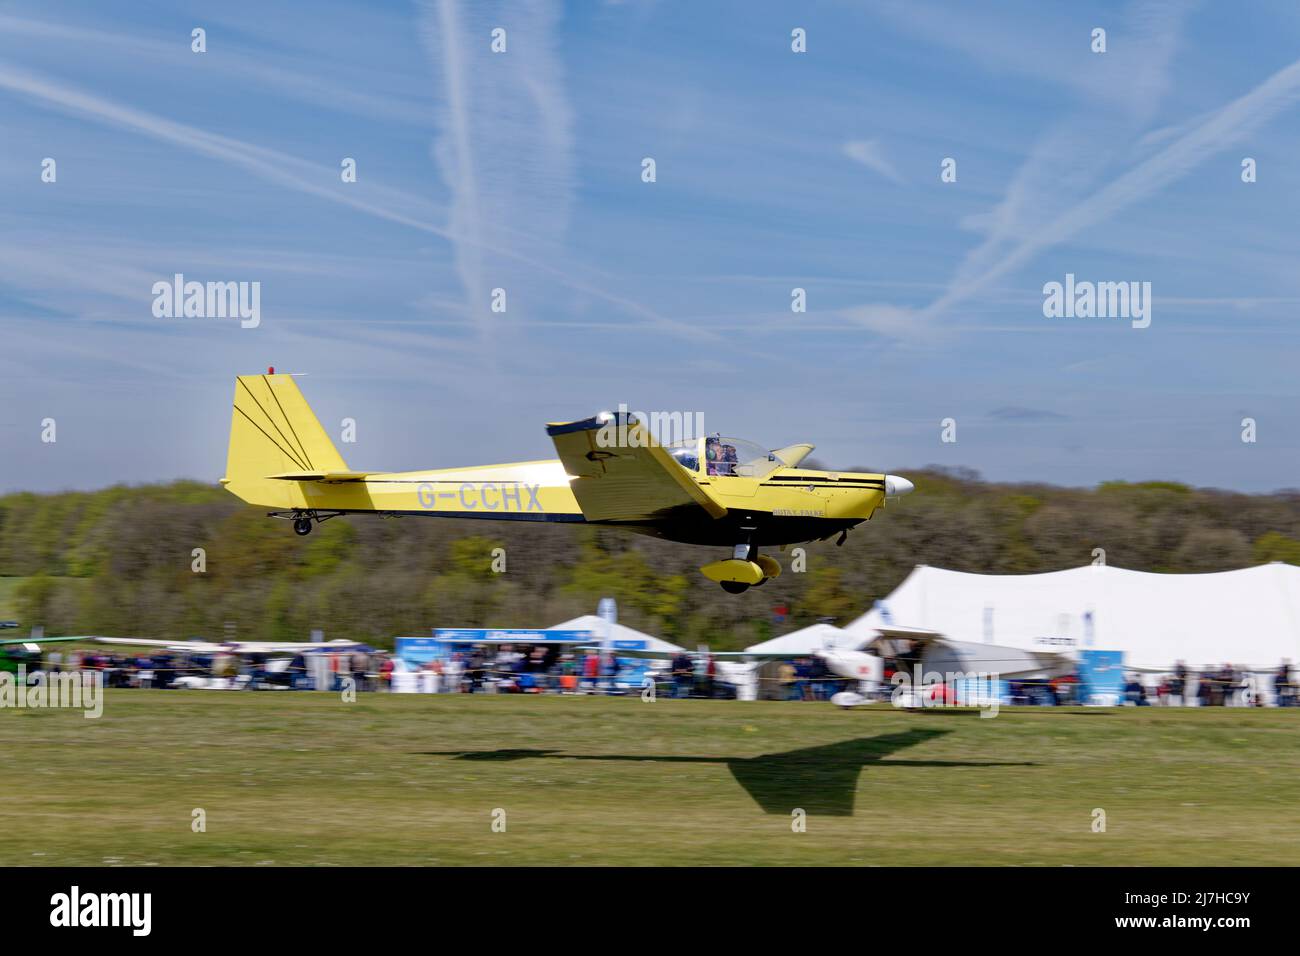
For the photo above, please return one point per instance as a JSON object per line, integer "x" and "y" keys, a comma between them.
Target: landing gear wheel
{"x": 771, "y": 567}
{"x": 302, "y": 525}
{"x": 734, "y": 587}
{"x": 762, "y": 582}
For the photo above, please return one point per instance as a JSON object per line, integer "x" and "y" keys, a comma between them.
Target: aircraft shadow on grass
{"x": 822, "y": 780}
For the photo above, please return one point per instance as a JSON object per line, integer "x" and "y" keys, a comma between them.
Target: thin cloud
{"x": 869, "y": 154}
{"x": 315, "y": 88}
{"x": 1223, "y": 129}
{"x": 1014, "y": 240}
{"x": 311, "y": 178}
{"x": 1019, "y": 413}
{"x": 505, "y": 143}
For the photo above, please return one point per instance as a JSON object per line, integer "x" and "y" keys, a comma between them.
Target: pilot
{"x": 729, "y": 457}
{"x": 721, "y": 458}
{"x": 713, "y": 453}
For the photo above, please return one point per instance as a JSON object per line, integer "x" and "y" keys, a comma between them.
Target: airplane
{"x": 195, "y": 646}
{"x": 278, "y": 655}
{"x": 710, "y": 490}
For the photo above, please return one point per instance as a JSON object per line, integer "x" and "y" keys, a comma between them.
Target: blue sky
{"x": 775, "y": 170}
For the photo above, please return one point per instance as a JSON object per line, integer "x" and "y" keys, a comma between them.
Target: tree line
{"x": 186, "y": 560}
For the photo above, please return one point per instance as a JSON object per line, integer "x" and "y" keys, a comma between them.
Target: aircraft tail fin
{"x": 274, "y": 432}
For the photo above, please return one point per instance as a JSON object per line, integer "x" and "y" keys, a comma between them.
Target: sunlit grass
{"x": 296, "y": 778}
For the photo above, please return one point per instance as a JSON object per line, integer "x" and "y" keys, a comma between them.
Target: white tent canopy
{"x": 617, "y": 632}
{"x": 815, "y": 637}
{"x": 1249, "y": 617}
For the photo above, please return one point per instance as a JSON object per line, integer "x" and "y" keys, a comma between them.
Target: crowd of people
{"x": 555, "y": 668}
{"x": 543, "y": 668}
{"x": 1225, "y": 686}
{"x": 118, "y": 670}
{"x": 552, "y": 669}
{"x": 808, "y": 678}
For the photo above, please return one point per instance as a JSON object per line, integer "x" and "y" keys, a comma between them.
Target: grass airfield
{"x": 306, "y": 779}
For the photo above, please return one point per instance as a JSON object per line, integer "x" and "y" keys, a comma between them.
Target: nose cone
{"x": 896, "y": 487}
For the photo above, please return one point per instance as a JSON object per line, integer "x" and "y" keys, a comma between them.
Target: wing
{"x": 203, "y": 647}
{"x": 230, "y": 647}
{"x": 637, "y": 652}
{"x": 620, "y": 473}
{"x": 39, "y": 640}
{"x": 288, "y": 647}
{"x": 741, "y": 656}
{"x": 127, "y": 641}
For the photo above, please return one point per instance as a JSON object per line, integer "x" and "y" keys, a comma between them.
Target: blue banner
{"x": 1101, "y": 677}
{"x": 417, "y": 650}
{"x": 508, "y": 635}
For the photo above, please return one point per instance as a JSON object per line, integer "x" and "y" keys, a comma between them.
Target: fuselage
{"x": 706, "y": 490}
{"x": 785, "y": 506}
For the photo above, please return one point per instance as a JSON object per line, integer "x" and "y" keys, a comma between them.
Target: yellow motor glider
{"x": 611, "y": 471}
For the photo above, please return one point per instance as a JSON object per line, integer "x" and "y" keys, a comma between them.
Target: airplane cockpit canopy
{"x": 724, "y": 457}
{"x": 686, "y": 453}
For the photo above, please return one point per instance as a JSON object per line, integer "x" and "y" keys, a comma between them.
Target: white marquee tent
{"x": 617, "y": 632}
{"x": 1249, "y": 617}
{"x": 815, "y": 637}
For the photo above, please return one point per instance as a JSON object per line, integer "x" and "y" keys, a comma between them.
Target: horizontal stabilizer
{"x": 326, "y": 476}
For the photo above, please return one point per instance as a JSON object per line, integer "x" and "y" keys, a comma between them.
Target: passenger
{"x": 729, "y": 460}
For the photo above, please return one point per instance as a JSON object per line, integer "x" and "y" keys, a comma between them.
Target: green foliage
{"x": 35, "y": 597}
{"x": 1174, "y": 487}
{"x": 327, "y": 548}
{"x": 630, "y": 579}
{"x": 827, "y": 596}
{"x": 1272, "y": 546}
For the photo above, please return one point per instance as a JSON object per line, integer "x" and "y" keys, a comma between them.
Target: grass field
{"x": 303, "y": 778}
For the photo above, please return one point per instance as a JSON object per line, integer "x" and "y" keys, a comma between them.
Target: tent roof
{"x": 1250, "y": 617}
{"x": 815, "y": 637}
{"x": 619, "y": 632}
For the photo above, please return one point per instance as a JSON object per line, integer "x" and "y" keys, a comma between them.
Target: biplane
{"x": 710, "y": 490}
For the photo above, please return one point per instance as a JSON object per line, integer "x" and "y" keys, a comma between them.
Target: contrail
{"x": 1219, "y": 131}
{"x": 300, "y": 175}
